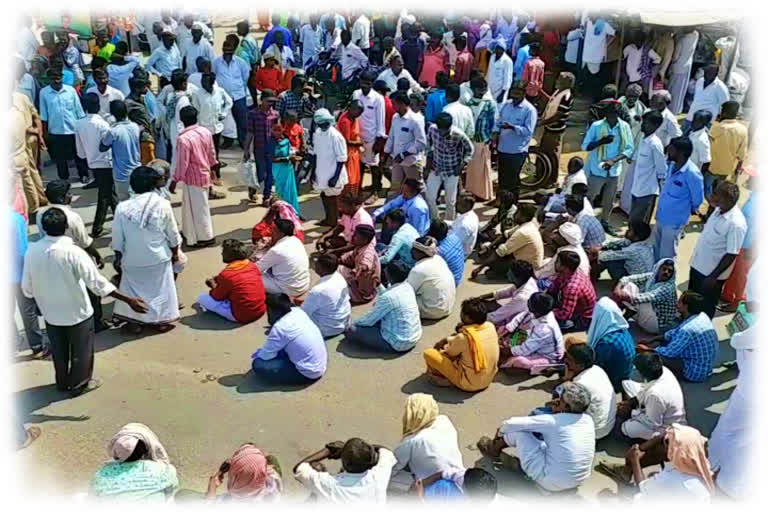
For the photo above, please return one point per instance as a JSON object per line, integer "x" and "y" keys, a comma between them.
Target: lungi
{"x": 479, "y": 180}
{"x": 154, "y": 284}
{"x": 196, "y": 222}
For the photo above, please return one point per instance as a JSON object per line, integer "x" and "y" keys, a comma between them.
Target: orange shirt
{"x": 295, "y": 134}
{"x": 533, "y": 75}
{"x": 269, "y": 78}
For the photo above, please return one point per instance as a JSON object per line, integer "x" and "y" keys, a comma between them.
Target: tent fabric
{"x": 683, "y": 18}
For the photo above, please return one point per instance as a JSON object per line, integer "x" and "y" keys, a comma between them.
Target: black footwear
{"x": 92, "y": 385}
{"x": 91, "y": 185}
{"x": 41, "y": 353}
{"x": 227, "y": 143}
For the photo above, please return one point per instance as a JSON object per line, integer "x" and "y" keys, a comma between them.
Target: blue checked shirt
{"x": 638, "y": 257}
{"x": 695, "y": 342}
{"x": 288, "y": 101}
{"x": 591, "y": 229}
{"x": 452, "y": 251}
{"x": 662, "y": 297}
{"x": 615, "y": 353}
{"x": 400, "y": 246}
{"x": 449, "y": 153}
{"x": 397, "y": 310}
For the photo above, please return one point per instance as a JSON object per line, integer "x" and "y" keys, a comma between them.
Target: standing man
{"x": 310, "y": 39}
{"x": 195, "y": 158}
{"x": 270, "y": 37}
{"x": 718, "y": 245}
{"x": 196, "y": 47}
{"x": 212, "y": 104}
{"x": 449, "y": 151}
{"x": 353, "y": 59}
{"x": 372, "y": 128}
{"x": 232, "y": 74}
{"x": 139, "y": 113}
{"x": 669, "y": 128}
{"x": 711, "y": 93}
{"x": 500, "y": 72}
{"x": 460, "y": 113}
{"x": 730, "y": 140}
{"x": 649, "y": 171}
{"x": 106, "y": 93}
{"x": 681, "y": 195}
{"x": 512, "y": 134}
{"x": 123, "y": 138}
{"x": 609, "y": 142}
{"x": 361, "y": 34}
{"x": 406, "y": 144}
{"x": 89, "y": 132}
{"x": 248, "y": 49}
{"x": 479, "y": 181}
{"x": 26, "y": 305}
{"x": 27, "y": 130}
{"x": 65, "y": 307}
{"x": 680, "y": 68}
{"x": 259, "y": 126}
{"x": 165, "y": 58}
{"x": 60, "y": 108}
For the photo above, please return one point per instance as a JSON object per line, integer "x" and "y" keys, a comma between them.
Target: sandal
{"x": 33, "y": 433}
{"x": 615, "y": 472}
{"x": 133, "y": 329}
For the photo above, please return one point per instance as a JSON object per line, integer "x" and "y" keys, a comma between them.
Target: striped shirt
{"x": 452, "y": 251}
{"x": 398, "y": 312}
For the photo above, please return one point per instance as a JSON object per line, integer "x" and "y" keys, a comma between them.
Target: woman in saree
{"x": 261, "y": 234}
{"x": 651, "y": 297}
{"x": 139, "y": 468}
{"x": 282, "y": 168}
{"x": 609, "y": 337}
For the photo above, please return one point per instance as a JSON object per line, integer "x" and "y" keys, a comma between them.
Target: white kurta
{"x": 661, "y": 404}
{"x": 330, "y": 149}
{"x": 500, "y": 72}
{"x": 429, "y": 451}
{"x": 435, "y": 288}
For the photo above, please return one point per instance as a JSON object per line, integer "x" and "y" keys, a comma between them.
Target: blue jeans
{"x": 709, "y": 183}
{"x": 279, "y": 370}
{"x": 264, "y": 170}
{"x": 667, "y": 240}
{"x": 240, "y": 113}
{"x": 369, "y": 337}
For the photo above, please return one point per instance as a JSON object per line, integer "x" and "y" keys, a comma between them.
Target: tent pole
{"x": 621, "y": 55}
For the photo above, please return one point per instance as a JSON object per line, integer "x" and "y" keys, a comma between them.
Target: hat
{"x": 268, "y": 95}
{"x": 381, "y": 85}
{"x": 124, "y": 447}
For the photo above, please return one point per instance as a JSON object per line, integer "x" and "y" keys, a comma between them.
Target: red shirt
{"x": 389, "y": 113}
{"x": 240, "y": 283}
{"x": 269, "y": 78}
{"x": 574, "y": 296}
{"x": 295, "y": 134}
{"x": 533, "y": 75}
{"x": 464, "y": 63}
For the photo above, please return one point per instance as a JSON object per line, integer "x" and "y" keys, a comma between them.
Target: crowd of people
{"x": 441, "y": 106}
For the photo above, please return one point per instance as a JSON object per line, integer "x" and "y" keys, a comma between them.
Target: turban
{"x": 247, "y": 472}
{"x": 122, "y": 445}
{"x": 420, "y": 412}
{"x": 500, "y": 42}
{"x": 687, "y": 453}
{"x": 571, "y": 232}
{"x": 323, "y": 116}
{"x": 429, "y": 247}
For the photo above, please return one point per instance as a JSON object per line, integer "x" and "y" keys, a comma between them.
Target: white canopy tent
{"x": 686, "y": 17}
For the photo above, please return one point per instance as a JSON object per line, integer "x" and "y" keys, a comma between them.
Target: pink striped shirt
{"x": 533, "y": 76}
{"x": 195, "y": 155}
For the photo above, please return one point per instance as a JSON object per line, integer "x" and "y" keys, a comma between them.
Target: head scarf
{"x": 607, "y": 318}
{"x": 571, "y": 232}
{"x": 500, "y": 41}
{"x": 653, "y": 281}
{"x": 429, "y": 248}
{"x": 198, "y": 25}
{"x": 687, "y": 453}
{"x": 250, "y": 474}
{"x": 123, "y": 443}
{"x": 322, "y": 115}
{"x": 420, "y": 412}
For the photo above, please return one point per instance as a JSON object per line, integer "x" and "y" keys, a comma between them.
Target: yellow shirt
{"x": 458, "y": 350}
{"x": 524, "y": 243}
{"x": 729, "y": 146}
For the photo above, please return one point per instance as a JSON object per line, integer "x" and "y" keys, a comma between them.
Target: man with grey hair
{"x": 554, "y": 450}
{"x": 669, "y": 128}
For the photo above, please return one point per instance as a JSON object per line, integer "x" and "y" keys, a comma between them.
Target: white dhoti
{"x": 156, "y": 286}
{"x": 370, "y": 157}
{"x": 533, "y": 455}
{"x": 637, "y": 427}
{"x": 625, "y": 185}
{"x": 196, "y": 222}
{"x": 479, "y": 179}
{"x": 230, "y": 128}
{"x": 678, "y": 87}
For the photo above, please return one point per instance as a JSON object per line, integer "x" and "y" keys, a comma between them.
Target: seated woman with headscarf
{"x": 360, "y": 266}
{"x": 252, "y": 476}
{"x": 609, "y": 337}
{"x": 651, "y": 296}
{"x": 139, "y": 468}
{"x": 532, "y": 340}
{"x": 430, "y": 444}
{"x": 469, "y": 358}
{"x": 261, "y": 235}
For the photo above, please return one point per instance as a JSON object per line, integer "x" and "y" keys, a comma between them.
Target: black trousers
{"x": 711, "y": 293}
{"x": 72, "y": 350}
{"x": 510, "y": 165}
{"x": 96, "y": 305}
{"x": 62, "y": 149}
{"x": 107, "y": 197}
{"x": 216, "y": 145}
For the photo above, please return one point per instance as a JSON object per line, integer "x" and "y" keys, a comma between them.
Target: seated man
{"x": 285, "y": 266}
{"x": 515, "y": 297}
{"x": 555, "y": 203}
{"x": 237, "y": 293}
{"x": 630, "y": 256}
{"x": 524, "y": 242}
{"x": 400, "y": 244}
{"x": 414, "y": 206}
{"x": 432, "y": 280}
{"x": 593, "y": 234}
{"x": 653, "y": 405}
{"x": 690, "y": 349}
{"x": 467, "y": 223}
{"x": 477, "y": 484}
{"x": 574, "y": 294}
{"x": 532, "y": 340}
{"x": 339, "y": 238}
{"x": 327, "y": 303}
{"x": 295, "y": 351}
{"x": 555, "y": 450}
{"x": 567, "y": 237}
{"x": 364, "y": 479}
{"x": 468, "y": 359}
{"x": 393, "y": 324}
{"x": 547, "y": 215}
{"x": 360, "y": 266}
{"x": 449, "y": 248}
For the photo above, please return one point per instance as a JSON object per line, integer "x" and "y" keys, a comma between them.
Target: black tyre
{"x": 537, "y": 170}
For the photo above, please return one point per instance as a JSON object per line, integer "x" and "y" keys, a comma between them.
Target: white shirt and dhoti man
{"x": 330, "y": 150}
{"x": 499, "y": 77}
{"x": 661, "y": 404}
{"x": 144, "y": 231}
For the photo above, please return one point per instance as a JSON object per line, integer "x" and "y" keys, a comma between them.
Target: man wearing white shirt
{"x": 184, "y": 30}
{"x": 710, "y": 95}
{"x": 27, "y": 42}
{"x": 650, "y": 169}
{"x": 718, "y": 245}
{"x": 432, "y": 280}
{"x": 597, "y": 34}
{"x": 285, "y": 266}
{"x": 361, "y": 33}
{"x": 395, "y": 72}
{"x": 669, "y": 128}
{"x": 561, "y": 458}
{"x": 700, "y": 139}
{"x": 66, "y": 307}
{"x": 352, "y": 57}
{"x": 581, "y": 369}
{"x": 680, "y": 68}
{"x": 327, "y": 303}
{"x": 212, "y": 104}
{"x": 310, "y": 38}
{"x": 194, "y": 48}
{"x": 105, "y": 92}
{"x": 372, "y": 126}
{"x": 633, "y": 53}
{"x": 500, "y": 72}
{"x": 364, "y": 479}
{"x": 467, "y": 223}
{"x": 406, "y": 143}
{"x": 462, "y": 116}
{"x": 572, "y": 47}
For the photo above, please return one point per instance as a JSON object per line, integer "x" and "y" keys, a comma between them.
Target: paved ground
{"x": 193, "y": 388}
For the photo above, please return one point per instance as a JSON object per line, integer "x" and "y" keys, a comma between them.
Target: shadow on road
{"x": 421, "y": 384}
{"x": 359, "y": 352}
{"x": 30, "y": 400}
{"x": 249, "y": 383}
